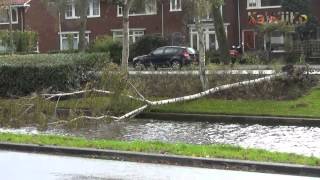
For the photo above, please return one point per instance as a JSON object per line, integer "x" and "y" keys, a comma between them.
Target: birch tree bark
{"x": 202, "y": 56}
{"x": 220, "y": 30}
{"x": 10, "y": 29}
{"x": 199, "y": 11}
{"x": 149, "y": 103}
{"x": 126, "y": 41}
{"x": 83, "y": 10}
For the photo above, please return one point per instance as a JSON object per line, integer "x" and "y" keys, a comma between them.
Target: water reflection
{"x": 300, "y": 140}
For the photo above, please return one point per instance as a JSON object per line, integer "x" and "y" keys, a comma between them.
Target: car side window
{"x": 158, "y": 51}
{"x": 170, "y": 51}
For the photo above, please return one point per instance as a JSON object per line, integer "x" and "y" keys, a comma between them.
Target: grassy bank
{"x": 307, "y": 106}
{"x": 212, "y": 151}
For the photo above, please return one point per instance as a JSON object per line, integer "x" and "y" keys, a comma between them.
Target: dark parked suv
{"x": 168, "y": 56}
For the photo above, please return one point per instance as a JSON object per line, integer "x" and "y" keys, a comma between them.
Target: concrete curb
{"x": 263, "y": 120}
{"x": 168, "y": 159}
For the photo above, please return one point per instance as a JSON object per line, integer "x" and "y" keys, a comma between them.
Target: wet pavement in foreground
{"x": 28, "y": 166}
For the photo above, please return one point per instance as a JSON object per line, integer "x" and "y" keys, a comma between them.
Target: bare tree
{"x": 200, "y": 10}
{"x": 196, "y": 12}
{"x": 202, "y": 7}
{"x": 126, "y": 6}
{"x": 58, "y": 7}
{"x": 82, "y": 5}
{"x": 220, "y": 30}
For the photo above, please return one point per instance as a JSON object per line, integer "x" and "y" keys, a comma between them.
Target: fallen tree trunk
{"x": 161, "y": 102}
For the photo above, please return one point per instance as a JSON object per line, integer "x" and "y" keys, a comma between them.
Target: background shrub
{"x": 212, "y": 56}
{"x": 23, "y": 41}
{"x": 145, "y": 45}
{"x": 167, "y": 85}
{"x": 106, "y": 44}
{"x": 251, "y": 58}
{"x": 24, "y": 74}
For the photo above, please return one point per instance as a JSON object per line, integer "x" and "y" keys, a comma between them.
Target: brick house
{"x": 103, "y": 19}
{"x": 266, "y": 10}
{"x": 168, "y": 18}
{"x": 18, "y": 9}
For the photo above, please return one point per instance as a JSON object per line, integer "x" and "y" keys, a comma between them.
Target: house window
{"x": 4, "y": 16}
{"x": 277, "y": 41}
{"x": 175, "y": 5}
{"x": 134, "y": 35}
{"x": 94, "y": 8}
{"x": 70, "y": 40}
{"x": 263, "y": 4}
{"x": 252, "y": 3}
{"x": 147, "y": 8}
{"x": 71, "y": 11}
{"x": 209, "y": 38}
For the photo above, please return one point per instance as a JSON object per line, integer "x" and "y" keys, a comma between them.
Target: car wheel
{"x": 175, "y": 65}
{"x": 139, "y": 66}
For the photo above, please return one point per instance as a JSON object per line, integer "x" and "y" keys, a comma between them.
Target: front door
{"x": 249, "y": 38}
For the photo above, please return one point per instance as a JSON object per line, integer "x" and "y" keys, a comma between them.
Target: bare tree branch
{"x": 30, "y": 106}
{"x": 214, "y": 90}
{"x": 135, "y": 89}
{"x": 52, "y": 96}
{"x": 164, "y": 102}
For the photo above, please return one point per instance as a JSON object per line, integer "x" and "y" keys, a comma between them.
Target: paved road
{"x": 25, "y": 166}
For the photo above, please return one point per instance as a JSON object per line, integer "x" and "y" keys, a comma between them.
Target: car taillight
{"x": 186, "y": 54}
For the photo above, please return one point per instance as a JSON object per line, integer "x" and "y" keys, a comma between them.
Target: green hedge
{"x": 146, "y": 44}
{"x": 24, "y": 74}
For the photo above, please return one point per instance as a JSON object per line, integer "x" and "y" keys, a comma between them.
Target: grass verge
{"x": 208, "y": 151}
{"x": 307, "y": 106}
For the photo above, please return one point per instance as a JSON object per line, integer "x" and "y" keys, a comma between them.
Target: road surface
{"x": 27, "y": 166}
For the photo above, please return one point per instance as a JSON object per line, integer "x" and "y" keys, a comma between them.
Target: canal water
{"x": 292, "y": 139}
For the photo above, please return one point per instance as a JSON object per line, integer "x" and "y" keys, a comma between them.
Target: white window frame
{"x": 258, "y": 5}
{"x": 17, "y": 16}
{"x": 135, "y": 33}
{"x": 174, "y": 7}
{"x": 120, "y": 11}
{"x": 275, "y": 40}
{"x": 91, "y": 15}
{"x": 64, "y": 35}
{"x": 207, "y": 34}
{"x": 208, "y": 30}
{"x": 73, "y": 10}
{"x": 90, "y": 6}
